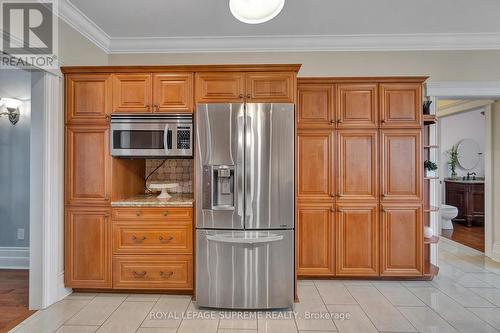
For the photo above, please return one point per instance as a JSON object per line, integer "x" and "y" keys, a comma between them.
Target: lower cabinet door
{"x": 315, "y": 239}
{"x": 401, "y": 240}
{"x": 357, "y": 239}
{"x": 173, "y": 272}
{"x": 87, "y": 248}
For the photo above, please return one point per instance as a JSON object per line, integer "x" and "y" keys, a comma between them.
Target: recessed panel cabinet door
{"x": 173, "y": 92}
{"x": 88, "y": 98}
{"x": 87, "y": 165}
{"x": 270, "y": 87}
{"x": 357, "y": 105}
{"x": 401, "y": 156}
{"x": 357, "y": 231}
{"x": 132, "y": 93}
{"x": 401, "y": 105}
{"x": 315, "y": 239}
{"x": 314, "y": 165}
{"x": 316, "y": 103}
{"x": 87, "y": 252}
{"x": 220, "y": 87}
{"x": 357, "y": 165}
{"x": 401, "y": 240}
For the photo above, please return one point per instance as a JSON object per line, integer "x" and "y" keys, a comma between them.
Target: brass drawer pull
{"x": 163, "y": 240}
{"x": 165, "y": 213}
{"x": 137, "y": 240}
{"x": 139, "y": 274}
{"x": 138, "y": 213}
{"x": 166, "y": 274}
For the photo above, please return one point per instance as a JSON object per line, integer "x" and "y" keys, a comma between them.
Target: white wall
{"x": 15, "y": 161}
{"x": 454, "y": 128}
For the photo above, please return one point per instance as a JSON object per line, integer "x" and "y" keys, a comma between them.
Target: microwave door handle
{"x": 167, "y": 139}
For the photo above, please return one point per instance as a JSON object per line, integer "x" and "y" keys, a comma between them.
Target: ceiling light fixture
{"x": 12, "y": 107}
{"x": 255, "y": 11}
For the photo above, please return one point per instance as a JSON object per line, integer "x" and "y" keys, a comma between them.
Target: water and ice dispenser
{"x": 218, "y": 183}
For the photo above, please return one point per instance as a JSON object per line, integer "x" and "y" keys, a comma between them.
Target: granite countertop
{"x": 147, "y": 200}
{"x": 478, "y": 180}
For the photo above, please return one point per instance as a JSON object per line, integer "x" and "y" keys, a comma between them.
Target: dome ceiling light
{"x": 255, "y": 11}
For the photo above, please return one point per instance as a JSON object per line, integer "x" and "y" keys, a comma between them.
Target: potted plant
{"x": 430, "y": 168}
{"x": 453, "y": 161}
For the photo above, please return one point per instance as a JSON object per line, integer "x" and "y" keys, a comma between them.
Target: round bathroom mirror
{"x": 469, "y": 154}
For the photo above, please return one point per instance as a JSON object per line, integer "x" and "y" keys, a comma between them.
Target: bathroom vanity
{"x": 468, "y": 197}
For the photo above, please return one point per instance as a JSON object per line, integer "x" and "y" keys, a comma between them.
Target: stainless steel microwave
{"x": 155, "y": 136}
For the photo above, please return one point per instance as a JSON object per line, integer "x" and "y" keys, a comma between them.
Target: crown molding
{"x": 393, "y": 42}
{"x": 282, "y": 43}
{"x": 73, "y": 16}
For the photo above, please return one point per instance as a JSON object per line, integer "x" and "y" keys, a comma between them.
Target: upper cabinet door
{"x": 357, "y": 105}
{"x": 88, "y": 98}
{"x": 87, "y": 165}
{"x": 270, "y": 87}
{"x": 316, "y": 103}
{"x": 220, "y": 87}
{"x": 132, "y": 93}
{"x": 401, "y": 105}
{"x": 401, "y": 156}
{"x": 173, "y": 92}
{"x": 357, "y": 240}
{"x": 357, "y": 165}
{"x": 401, "y": 240}
{"x": 314, "y": 165}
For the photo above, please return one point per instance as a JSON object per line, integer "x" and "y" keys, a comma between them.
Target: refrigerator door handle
{"x": 228, "y": 239}
{"x": 240, "y": 164}
{"x": 248, "y": 164}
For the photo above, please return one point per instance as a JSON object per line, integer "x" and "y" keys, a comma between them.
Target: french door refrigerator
{"x": 245, "y": 205}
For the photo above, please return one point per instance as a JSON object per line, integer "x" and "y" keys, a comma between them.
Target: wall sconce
{"x": 12, "y": 107}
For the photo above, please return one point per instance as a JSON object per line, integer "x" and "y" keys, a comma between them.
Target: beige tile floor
{"x": 465, "y": 297}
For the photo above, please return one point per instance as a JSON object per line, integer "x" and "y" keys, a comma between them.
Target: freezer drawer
{"x": 244, "y": 269}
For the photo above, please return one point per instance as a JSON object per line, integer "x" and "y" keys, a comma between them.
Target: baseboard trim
{"x": 495, "y": 252}
{"x": 14, "y": 257}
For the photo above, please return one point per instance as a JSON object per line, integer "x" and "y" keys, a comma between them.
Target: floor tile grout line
{"x": 361, "y": 307}
{"x": 459, "y": 305}
{"x": 148, "y": 312}
{"x": 444, "y": 292}
{"x": 326, "y": 306}
{"x": 112, "y": 312}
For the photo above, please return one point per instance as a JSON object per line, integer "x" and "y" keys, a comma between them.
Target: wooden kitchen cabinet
{"x": 357, "y": 105}
{"x": 402, "y": 170}
{"x": 357, "y": 165}
{"x": 173, "y": 92}
{"x": 132, "y": 93}
{"x": 270, "y": 87}
{"x": 88, "y": 98}
{"x": 401, "y": 105}
{"x": 87, "y": 258}
{"x": 401, "y": 236}
{"x": 357, "y": 240}
{"x": 220, "y": 87}
{"x": 315, "y": 106}
{"x": 87, "y": 159}
{"x": 315, "y": 179}
{"x": 315, "y": 239}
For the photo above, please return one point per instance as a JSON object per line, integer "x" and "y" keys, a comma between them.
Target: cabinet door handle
{"x": 165, "y": 213}
{"x": 155, "y": 108}
{"x": 383, "y": 195}
{"x": 242, "y": 96}
{"x": 340, "y": 121}
{"x": 332, "y": 121}
{"x": 164, "y": 241}
{"x": 106, "y": 197}
{"x": 148, "y": 107}
{"x": 384, "y": 210}
{"x": 249, "y": 96}
{"x": 138, "y": 213}
{"x": 382, "y": 121}
{"x": 166, "y": 274}
{"x": 332, "y": 195}
{"x": 138, "y": 240}
{"x": 332, "y": 210}
{"x": 339, "y": 195}
{"x": 139, "y": 274}
{"x": 108, "y": 117}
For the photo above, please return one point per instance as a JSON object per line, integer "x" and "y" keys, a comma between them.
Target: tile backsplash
{"x": 179, "y": 171}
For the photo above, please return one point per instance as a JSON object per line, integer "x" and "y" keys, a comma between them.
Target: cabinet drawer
{"x": 140, "y": 272}
{"x": 151, "y": 238}
{"x": 155, "y": 214}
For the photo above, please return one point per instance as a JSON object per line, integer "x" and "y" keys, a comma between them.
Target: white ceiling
{"x": 126, "y": 21}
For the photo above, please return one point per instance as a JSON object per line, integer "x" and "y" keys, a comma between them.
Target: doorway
{"x": 15, "y": 184}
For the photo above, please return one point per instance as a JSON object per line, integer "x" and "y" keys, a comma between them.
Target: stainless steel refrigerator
{"x": 245, "y": 205}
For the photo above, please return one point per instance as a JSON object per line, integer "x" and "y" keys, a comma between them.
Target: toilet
{"x": 447, "y": 214}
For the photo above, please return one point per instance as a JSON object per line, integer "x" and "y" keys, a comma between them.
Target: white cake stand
{"x": 164, "y": 187}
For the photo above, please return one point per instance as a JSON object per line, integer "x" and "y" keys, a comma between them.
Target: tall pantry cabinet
{"x": 359, "y": 177}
